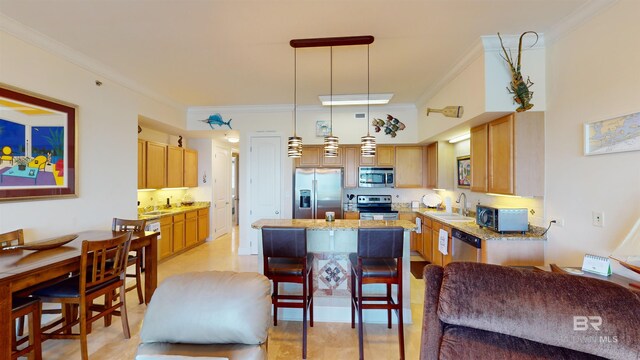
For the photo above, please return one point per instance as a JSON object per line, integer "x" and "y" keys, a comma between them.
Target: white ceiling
{"x": 235, "y": 52}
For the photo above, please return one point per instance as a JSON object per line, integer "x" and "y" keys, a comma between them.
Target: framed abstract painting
{"x": 37, "y": 146}
{"x": 464, "y": 171}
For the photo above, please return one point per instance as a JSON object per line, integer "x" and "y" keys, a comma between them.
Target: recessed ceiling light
{"x": 355, "y": 99}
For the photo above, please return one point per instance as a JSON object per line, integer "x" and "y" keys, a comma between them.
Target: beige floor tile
{"x": 325, "y": 340}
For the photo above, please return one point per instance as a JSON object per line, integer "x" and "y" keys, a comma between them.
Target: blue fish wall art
{"x": 216, "y": 119}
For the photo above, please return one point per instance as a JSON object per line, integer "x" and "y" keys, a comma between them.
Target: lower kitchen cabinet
{"x": 351, "y": 215}
{"x": 165, "y": 242}
{"x": 424, "y": 248}
{"x": 439, "y": 258}
{"x": 183, "y": 231}
{"x": 191, "y": 228}
{"x": 203, "y": 224}
{"x": 178, "y": 232}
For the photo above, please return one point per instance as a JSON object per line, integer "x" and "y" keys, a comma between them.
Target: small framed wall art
{"x": 464, "y": 171}
{"x": 613, "y": 135}
{"x": 37, "y": 146}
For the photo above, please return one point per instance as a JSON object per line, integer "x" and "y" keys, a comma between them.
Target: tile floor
{"x": 325, "y": 340}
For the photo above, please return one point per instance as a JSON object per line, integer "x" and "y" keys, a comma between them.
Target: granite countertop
{"x": 174, "y": 210}
{"x": 340, "y": 224}
{"x": 470, "y": 227}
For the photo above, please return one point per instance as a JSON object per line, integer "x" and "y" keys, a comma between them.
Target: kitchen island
{"x": 331, "y": 243}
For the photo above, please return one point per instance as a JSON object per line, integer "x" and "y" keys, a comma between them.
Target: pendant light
{"x": 368, "y": 142}
{"x": 294, "y": 145}
{"x": 331, "y": 142}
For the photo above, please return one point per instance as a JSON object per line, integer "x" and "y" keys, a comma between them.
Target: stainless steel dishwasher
{"x": 465, "y": 247}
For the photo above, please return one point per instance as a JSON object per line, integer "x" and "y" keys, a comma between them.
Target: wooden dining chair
{"x": 21, "y": 308}
{"x": 103, "y": 266}
{"x": 136, "y": 257}
{"x": 12, "y": 238}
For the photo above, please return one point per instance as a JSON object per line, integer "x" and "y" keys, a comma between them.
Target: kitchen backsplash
{"x": 408, "y": 195}
{"x": 159, "y": 197}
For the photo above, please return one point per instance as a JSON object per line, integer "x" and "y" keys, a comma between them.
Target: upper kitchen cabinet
{"x": 351, "y": 155}
{"x": 514, "y": 153}
{"x": 313, "y": 156}
{"x": 190, "y": 168}
{"x": 409, "y": 166}
{"x": 438, "y": 161}
{"x": 142, "y": 164}
{"x": 156, "y": 165}
{"x": 385, "y": 156}
{"x": 175, "y": 166}
{"x": 479, "y": 157}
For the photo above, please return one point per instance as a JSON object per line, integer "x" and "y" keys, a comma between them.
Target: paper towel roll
{"x": 447, "y": 203}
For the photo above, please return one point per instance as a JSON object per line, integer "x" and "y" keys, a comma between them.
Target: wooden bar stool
{"x": 378, "y": 261}
{"x": 136, "y": 257}
{"x": 21, "y": 307}
{"x": 286, "y": 260}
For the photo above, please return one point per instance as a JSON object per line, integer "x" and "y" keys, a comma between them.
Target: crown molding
{"x": 42, "y": 41}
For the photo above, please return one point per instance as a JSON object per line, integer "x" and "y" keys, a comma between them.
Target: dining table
{"x": 22, "y": 269}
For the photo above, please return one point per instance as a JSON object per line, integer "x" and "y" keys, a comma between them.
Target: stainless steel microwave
{"x": 376, "y": 177}
{"x": 502, "y": 219}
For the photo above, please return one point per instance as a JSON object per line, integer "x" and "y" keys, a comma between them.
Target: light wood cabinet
{"x": 313, "y": 156}
{"x": 142, "y": 164}
{"x": 178, "y": 232}
{"x": 368, "y": 160}
{"x": 351, "y": 163}
{"x": 385, "y": 155}
{"x": 479, "y": 157}
{"x": 190, "y": 168}
{"x": 439, "y": 165}
{"x": 501, "y": 159}
{"x": 156, "y": 165}
{"x": 514, "y": 155}
{"x": 439, "y": 258}
{"x": 352, "y": 215}
{"x": 175, "y": 166}
{"x": 165, "y": 243}
{"x": 191, "y": 228}
{"x": 203, "y": 224}
{"x": 409, "y": 166}
{"x": 425, "y": 248}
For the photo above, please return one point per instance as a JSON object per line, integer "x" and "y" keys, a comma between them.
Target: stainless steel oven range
{"x": 376, "y": 207}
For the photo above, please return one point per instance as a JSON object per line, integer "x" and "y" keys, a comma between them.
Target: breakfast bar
{"x": 330, "y": 242}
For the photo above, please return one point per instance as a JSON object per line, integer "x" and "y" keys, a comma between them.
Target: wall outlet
{"x": 597, "y": 218}
{"x": 559, "y": 222}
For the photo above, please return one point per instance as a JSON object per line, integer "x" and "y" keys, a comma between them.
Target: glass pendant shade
{"x": 294, "y": 147}
{"x": 368, "y": 146}
{"x": 331, "y": 146}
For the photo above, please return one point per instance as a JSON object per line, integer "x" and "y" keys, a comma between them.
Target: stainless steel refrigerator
{"x": 316, "y": 191}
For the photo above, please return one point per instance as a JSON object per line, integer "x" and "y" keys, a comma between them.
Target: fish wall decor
{"x": 391, "y": 126}
{"x": 216, "y": 119}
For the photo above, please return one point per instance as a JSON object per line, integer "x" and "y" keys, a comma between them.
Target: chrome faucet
{"x": 463, "y": 204}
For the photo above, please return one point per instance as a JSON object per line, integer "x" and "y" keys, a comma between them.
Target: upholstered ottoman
{"x": 208, "y": 315}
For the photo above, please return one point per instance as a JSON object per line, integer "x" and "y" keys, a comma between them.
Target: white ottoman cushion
{"x": 214, "y": 307}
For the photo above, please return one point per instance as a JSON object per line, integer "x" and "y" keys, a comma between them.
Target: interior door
{"x": 265, "y": 183}
{"x": 221, "y": 191}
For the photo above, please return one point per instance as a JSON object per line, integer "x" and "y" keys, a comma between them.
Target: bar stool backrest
{"x": 128, "y": 225}
{"x": 380, "y": 242}
{"x": 284, "y": 242}
{"x": 12, "y": 238}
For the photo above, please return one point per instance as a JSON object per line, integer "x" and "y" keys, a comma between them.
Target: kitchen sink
{"x": 452, "y": 217}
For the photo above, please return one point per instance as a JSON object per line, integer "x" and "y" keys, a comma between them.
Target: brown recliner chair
{"x": 474, "y": 311}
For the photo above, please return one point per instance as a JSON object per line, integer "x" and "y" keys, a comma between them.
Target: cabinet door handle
{"x": 277, "y": 212}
